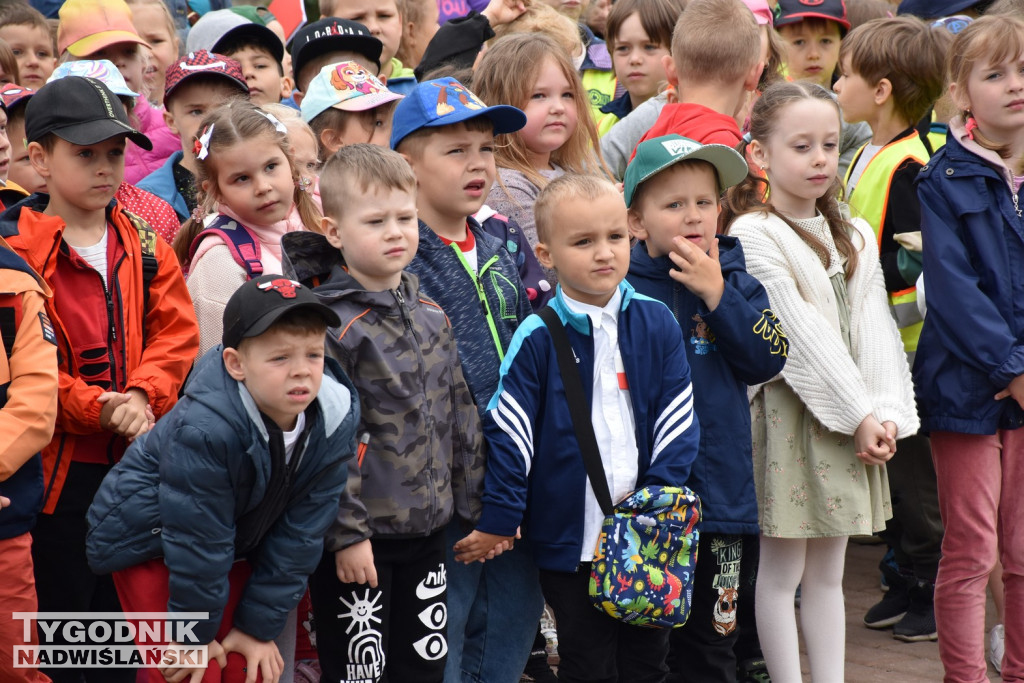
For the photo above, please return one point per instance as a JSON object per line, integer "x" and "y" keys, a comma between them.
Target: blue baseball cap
{"x": 934, "y": 9}
{"x": 444, "y": 101}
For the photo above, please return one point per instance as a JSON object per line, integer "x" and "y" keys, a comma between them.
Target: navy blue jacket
{"x": 483, "y": 326}
{"x": 534, "y": 465}
{"x": 727, "y": 350}
{"x": 972, "y": 342}
{"x": 182, "y": 487}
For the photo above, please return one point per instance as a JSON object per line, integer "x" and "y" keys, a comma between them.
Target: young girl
{"x": 639, "y": 37}
{"x": 155, "y": 25}
{"x": 846, "y": 376}
{"x": 533, "y": 73}
{"x": 247, "y": 174}
{"x": 970, "y": 360}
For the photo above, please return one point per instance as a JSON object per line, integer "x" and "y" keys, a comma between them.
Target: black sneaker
{"x": 753, "y": 671}
{"x": 894, "y": 603}
{"x": 918, "y": 624}
{"x": 537, "y": 669}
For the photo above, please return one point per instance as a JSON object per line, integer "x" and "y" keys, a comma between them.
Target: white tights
{"x": 816, "y": 565}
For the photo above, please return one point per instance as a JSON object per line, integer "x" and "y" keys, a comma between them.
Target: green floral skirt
{"x": 809, "y": 481}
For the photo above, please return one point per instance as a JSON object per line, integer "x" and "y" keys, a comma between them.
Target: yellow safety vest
{"x": 600, "y": 89}
{"x": 870, "y": 201}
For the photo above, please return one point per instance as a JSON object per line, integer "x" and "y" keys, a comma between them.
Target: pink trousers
{"x": 981, "y": 499}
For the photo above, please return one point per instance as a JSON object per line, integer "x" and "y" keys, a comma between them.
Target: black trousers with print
{"x": 393, "y": 633}
{"x": 702, "y": 650}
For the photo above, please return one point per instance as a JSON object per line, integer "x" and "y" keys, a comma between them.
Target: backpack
{"x": 243, "y": 245}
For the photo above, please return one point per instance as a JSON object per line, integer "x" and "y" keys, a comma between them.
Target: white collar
{"x": 596, "y": 313}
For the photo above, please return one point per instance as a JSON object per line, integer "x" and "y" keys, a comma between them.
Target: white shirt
{"x": 292, "y": 437}
{"x": 611, "y": 413}
{"x": 96, "y": 256}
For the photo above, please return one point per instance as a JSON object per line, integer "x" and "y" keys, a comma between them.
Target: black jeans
{"x": 701, "y": 651}
{"x": 394, "y": 632}
{"x": 64, "y": 582}
{"x": 593, "y": 646}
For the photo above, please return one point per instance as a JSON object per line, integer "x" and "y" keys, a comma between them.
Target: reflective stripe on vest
{"x": 870, "y": 201}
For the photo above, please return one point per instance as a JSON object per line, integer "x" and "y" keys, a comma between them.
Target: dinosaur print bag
{"x": 643, "y": 567}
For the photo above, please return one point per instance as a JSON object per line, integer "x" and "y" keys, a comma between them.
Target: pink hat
{"x": 762, "y": 12}
{"x": 90, "y": 25}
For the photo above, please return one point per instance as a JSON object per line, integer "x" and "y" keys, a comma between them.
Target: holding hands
{"x": 479, "y": 546}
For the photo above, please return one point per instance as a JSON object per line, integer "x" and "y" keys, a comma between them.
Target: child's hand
{"x": 354, "y": 564}
{"x": 891, "y": 434}
{"x": 125, "y": 414}
{"x": 478, "y": 545}
{"x": 260, "y": 656}
{"x": 500, "y": 12}
{"x": 870, "y": 442}
{"x": 4, "y": 502}
{"x": 1015, "y": 390}
{"x": 173, "y": 673}
{"x": 699, "y": 272}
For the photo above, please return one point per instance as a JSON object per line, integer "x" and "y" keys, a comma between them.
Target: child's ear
{"x": 753, "y": 77}
{"x": 636, "y": 225}
{"x": 670, "y": 70}
{"x": 544, "y": 255}
{"x": 286, "y": 87}
{"x": 169, "y": 120}
{"x": 883, "y": 90}
{"x": 233, "y": 364}
{"x": 758, "y": 154}
{"x": 39, "y": 159}
{"x": 330, "y": 139}
{"x": 958, "y": 98}
{"x": 329, "y": 227}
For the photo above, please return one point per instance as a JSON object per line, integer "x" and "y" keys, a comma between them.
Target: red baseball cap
{"x": 792, "y": 11}
{"x": 202, "y": 62}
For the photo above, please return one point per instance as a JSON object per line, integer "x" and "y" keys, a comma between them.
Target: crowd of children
{"x": 267, "y": 304}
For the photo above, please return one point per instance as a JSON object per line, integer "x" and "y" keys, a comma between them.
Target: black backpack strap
{"x": 150, "y": 266}
{"x": 578, "y": 408}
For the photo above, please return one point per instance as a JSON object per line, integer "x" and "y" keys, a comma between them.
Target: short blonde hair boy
{"x": 563, "y": 189}
{"x": 357, "y": 169}
{"x": 700, "y": 49}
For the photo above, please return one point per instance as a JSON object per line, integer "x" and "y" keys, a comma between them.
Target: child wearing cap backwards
{"x": 672, "y": 189}
{"x": 103, "y": 29}
{"x": 893, "y": 71}
{"x": 645, "y": 427}
{"x": 345, "y": 104}
{"x": 255, "y": 47}
{"x": 197, "y": 84}
{"x": 145, "y": 205}
{"x": 29, "y": 36}
{"x": 421, "y": 437}
{"x": 266, "y": 392}
{"x": 120, "y": 310}
{"x": 330, "y": 41}
{"x": 447, "y": 135}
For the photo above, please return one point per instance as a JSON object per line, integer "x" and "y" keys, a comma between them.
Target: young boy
{"x": 893, "y": 71}
{"x": 28, "y": 408}
{"x": 266, "y": 394}
{"x": 711, "y": 76}
{"x": 632, "y": 363}
{"x": 120, "y": 313}
{"x": 255, "y": 47}
{"x": 672, "y": 189}
{"x": 447, "y": 135}
{"x": 421, "y": 457}
{"x": 330, "y": 41}
{"x": 344, "y": 105}
{"x": 195, "y": 85}
{"x": 384, "y": 21}
{"x": 25, "y": 29}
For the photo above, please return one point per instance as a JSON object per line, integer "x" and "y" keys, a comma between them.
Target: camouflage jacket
{"x": 425, "y": 455}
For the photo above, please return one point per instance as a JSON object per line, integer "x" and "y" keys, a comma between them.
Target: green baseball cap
{"x": 655, "y": 155}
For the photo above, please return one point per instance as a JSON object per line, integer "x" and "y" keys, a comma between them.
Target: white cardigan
{"x": 840, "y": 390}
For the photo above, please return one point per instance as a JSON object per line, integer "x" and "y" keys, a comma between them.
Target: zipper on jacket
{"x": 1016, "y": 205}
{"x": 428, "y": 422}
{"x": 482, "y": 296}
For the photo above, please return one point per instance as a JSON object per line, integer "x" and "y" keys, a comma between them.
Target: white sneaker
{"x": 996, "y": 647}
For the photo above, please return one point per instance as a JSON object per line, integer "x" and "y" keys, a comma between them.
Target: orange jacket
{"x": 172, "y": 334}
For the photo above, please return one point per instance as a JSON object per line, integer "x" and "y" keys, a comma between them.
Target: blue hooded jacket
{"x": 972, "y": 342}
{"x": 182, "y": 487}
{"x": 727, "y": 349}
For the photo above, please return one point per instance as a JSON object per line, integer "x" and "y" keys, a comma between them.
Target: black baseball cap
{"x": 333, "y": 34}
{"x": 80, "y": 110}
{"x": 260, "y": 302}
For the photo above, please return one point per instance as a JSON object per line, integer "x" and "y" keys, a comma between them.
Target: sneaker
{"x": 894, "y": 603}
{"x": 996, "y": 647}
{"x": 753, "y": 671}
{"x": 537, "y": 669}
{"x": 919, "y": 622}
{"x": 548, "y": 630}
